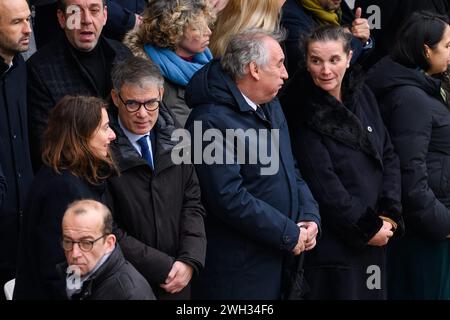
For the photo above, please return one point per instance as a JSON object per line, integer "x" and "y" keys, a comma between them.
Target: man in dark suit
{"x": 156, "y": 202}
{"x": 15, "y": 32}
{"x": 78, "y": 62}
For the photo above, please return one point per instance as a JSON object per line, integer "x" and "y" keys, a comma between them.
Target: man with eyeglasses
{"x": 97, "y": 269}
{"x": 156, "y": 203}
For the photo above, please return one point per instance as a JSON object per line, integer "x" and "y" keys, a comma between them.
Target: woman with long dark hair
{"x": 76, "y": 163}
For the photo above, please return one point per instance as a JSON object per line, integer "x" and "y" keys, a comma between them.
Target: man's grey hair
{"x": 135, "y": 71}
{"x": 246, "y": 47}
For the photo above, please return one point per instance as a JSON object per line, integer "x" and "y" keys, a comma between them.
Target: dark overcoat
{"x": 14, "y": 159}
{"x": 159, "y": 213}
{"x": 39, "y": 248}
{"x": 347, "y": 158}
{"x": 418, "y": 121}
{"x": 251, "y": 214}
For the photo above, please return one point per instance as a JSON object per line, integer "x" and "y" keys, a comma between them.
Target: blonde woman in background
{"x": 239, "y": 15}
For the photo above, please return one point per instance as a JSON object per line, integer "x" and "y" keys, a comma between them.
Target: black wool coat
{"x": 14, "y": 159}
{"x": 346, "y": 156}
{"x": 39, "y": 248}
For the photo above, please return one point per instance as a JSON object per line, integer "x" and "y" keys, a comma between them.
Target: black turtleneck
{"x": 94, "y": 63}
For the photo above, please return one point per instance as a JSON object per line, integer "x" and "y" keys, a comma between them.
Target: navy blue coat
{"x": 121, "y": 17}
{"x": 40, "y": 250}
{"x": 251, "y": 218}
{"x": 15, "y": 159}
{"x": 347, "y": 158}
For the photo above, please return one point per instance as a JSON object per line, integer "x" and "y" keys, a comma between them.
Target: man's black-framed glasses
{"x": 84, "y": 245}
{"x": 134, "y": 106}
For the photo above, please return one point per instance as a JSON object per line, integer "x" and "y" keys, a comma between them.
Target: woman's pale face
{"x": 102, "y": 137}
{"x": 439, "y": 57}
{"x": 327, "y": 63}
{"x": 195, "y": 38}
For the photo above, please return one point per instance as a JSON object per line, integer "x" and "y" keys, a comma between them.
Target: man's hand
{"x": 302, "y": 237}
{"x": 381, "y": 238}
{"x": 178, "y": 278}
{"x": 312, "y": 231}
{"x": 360, "y": 27}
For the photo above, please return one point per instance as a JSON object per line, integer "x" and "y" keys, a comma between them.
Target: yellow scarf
{"x": 321, "y": 15}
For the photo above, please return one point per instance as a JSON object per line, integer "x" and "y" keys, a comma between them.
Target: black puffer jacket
{"x": 419, "y": 124}
{"x": 116, "y": 279}
{"x": 159, "y": 213}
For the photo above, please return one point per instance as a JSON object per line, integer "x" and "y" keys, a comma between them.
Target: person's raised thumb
{"x": 358, "y": 13}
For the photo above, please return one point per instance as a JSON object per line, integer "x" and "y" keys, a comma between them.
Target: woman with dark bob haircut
{"x": 76, "y": 163}
{"x": 413, "y": 106}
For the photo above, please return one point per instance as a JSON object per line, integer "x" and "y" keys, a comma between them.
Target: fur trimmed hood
{"x": 338, "y": 120}
{"x": 134, "y": 41}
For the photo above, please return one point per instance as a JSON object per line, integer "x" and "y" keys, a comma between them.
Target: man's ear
{"x": 105, "y": 12}
{"x": 350, "y": 56}
{"x": 110, "y": 242}
{"x": 427, "y": 51}
{"x": 254, "y": 70}
{"x": 115, "y": 98}
{"x": 161, "y": 92}
{"x": 61, "y": 18}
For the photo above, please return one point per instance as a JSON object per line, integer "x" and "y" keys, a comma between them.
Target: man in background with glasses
{"x": 156, "y": 203}
{"x": 97, "y": 269}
